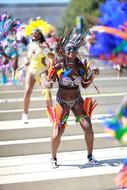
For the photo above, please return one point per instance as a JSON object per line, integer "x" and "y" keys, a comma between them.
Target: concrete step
{"x": 36, "y": 113}
{"x": 106, "y": 103}
{"x": 39, "y": 102}
{"x": 43, "y": 145}
{"x": 32, "y": 171}
{"x": 100, "y": 82}
{"x": 104, "y": 72}
{"x": 74, "y": 172}
{"x": 36, "y": 128}
{"x": 103, "y": 85}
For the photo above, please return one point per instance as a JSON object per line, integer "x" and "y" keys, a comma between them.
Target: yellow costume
{"x": 35, "y": 57}
{"x": 36, "y": 67}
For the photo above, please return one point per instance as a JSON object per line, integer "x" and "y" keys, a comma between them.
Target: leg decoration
{"x": 37, "y": 78}
{"x": 46, "y": 93}
{"x": 51, "y": 113}
{"x": 47, "y": 96}
{"x": 58, "y": 116}
{"x": 88, "y": 106}
{"x": 80, "y": 118}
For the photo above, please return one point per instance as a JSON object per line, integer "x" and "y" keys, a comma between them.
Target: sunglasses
{"x": 71, "y": 49}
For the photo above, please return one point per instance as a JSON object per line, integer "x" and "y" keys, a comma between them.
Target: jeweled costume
{"x": 69, "y": 79}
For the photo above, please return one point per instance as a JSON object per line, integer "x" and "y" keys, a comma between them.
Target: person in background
{"x": 38, "y": 52}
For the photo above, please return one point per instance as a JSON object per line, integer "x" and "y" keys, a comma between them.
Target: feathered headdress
{"x": 40, "y": 24}
{"x": 71, "y": 40}
{"x": 8, "y": 25}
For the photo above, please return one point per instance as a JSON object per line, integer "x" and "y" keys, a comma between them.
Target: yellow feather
{"x": 40, "y": 24}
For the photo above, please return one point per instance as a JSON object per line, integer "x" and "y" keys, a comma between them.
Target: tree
{"x": 89, "y": 9}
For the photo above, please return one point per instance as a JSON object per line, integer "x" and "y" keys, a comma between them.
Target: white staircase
{"x": 25, "y": 148}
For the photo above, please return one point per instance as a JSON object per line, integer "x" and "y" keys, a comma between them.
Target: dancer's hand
{"x": 96, "y": 71}
{"x": 86, "y": 83}
{"x": 48, "y": 84}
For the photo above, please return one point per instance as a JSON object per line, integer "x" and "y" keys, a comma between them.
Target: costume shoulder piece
{"x": 55, "y": 67}
{"x": 59, "y": 63}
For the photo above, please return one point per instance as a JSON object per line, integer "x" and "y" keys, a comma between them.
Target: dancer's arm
{"x": 87, "y": 83}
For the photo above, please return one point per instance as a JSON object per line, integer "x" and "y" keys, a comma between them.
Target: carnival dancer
{"x": 8, "y": 45}
{"x": 9, "y": 59}
{"x": 71, "y": 72}
{"x": 37, "y": 71}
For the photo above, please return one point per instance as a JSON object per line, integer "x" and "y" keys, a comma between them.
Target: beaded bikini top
{"x": 67, "y": 76}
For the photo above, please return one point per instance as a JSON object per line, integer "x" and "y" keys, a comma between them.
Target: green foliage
{"x": 89, "y": 9}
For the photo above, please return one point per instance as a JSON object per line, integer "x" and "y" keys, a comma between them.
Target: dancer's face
{"x": 71, "y": 54}
{"x": 36, "y": 36}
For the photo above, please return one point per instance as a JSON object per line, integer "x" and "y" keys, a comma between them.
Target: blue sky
{"x": 32, "y": 1}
